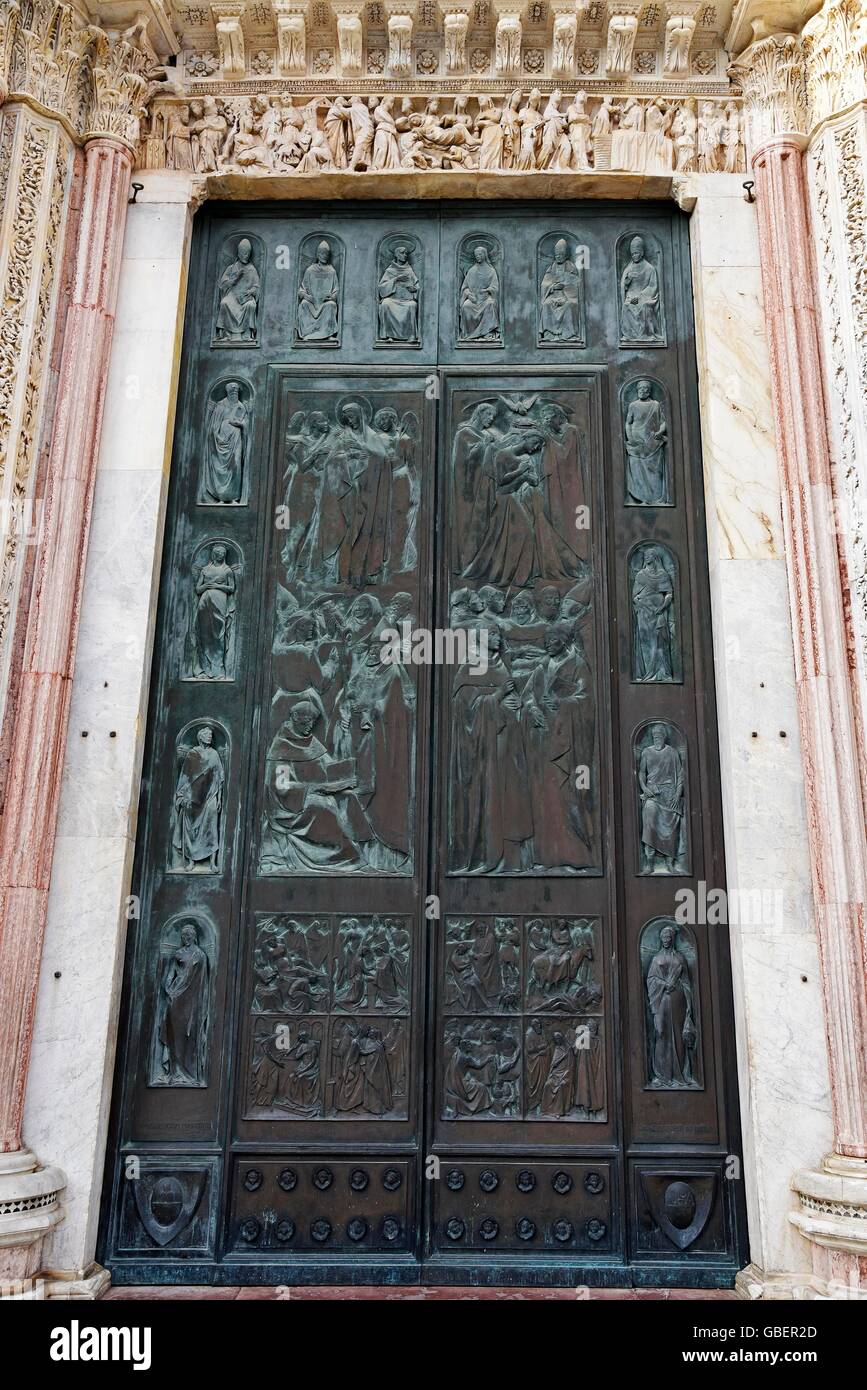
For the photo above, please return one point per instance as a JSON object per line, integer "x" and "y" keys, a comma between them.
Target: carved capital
{"x": 350, "y": 34}
{"x": 508, "y": 36}
{"x": 835, "y": 56}
{"x": 120, "y": 89}
{"x": 771, "y": 73}
{"x": 230, "y": 37}
{"x": 622, "y": 29}
{"x": 679, "y": 32}
{"x": 290, "y": 20}
{"x": 563, "y": 42}
{"x": 456, "y": 24}
{"x": 400, "y": 21}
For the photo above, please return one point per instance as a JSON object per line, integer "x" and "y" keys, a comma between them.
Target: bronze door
{"x": 408, "y": 992}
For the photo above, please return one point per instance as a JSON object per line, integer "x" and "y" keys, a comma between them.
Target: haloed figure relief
{"x": 182, "y": 1011}
{"x": 238, "y": 291}
{"x": 546, "y": 971}
{"x": 645, "y": 429}
{"x": 561, "y": 295}
{"x": 227, "y": 445}
{"x": 479, "y": 302}
{"x": 527, "y": 723}
{"x": 398, "y": 292}
{"x": 351, "y": 494}
{"x": 211, "y": 639}
{"x": 655, "y": 641}
{"x": 660, "y": 754}
{"x": 197, "y": 837}
{"x": 668, "y": 962}
{"x": 317, "y": 317}
{"x": 639, "y": 263}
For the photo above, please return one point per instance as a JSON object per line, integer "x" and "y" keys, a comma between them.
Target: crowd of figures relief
{"x": 340, "y": 764}
{"x": 523, "y": 1019}
{"x": 523, "y": 781}
{"x": 329, "y": 1008}
{"x": 523, "y": 132}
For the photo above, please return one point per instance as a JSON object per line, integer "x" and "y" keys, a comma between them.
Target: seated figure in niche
{"x": 479, "y": 303}
{"x": 316, "y": 316}
{"x": 313, "y": 818}
{"x": 560, "y": 304}
{"x": 639, "y": 295}
{"x": 238, "y": 311}
{"x": 398, "y": 300}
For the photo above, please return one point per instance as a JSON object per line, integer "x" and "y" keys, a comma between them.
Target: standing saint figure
{"x": 213, "y": 618}
{"x": 479, "y": 305}
{"x": 661, "y": 796}
{"x": 490, "y": 128}
{"x": 640, "y": 320}
{"x": 559, "y": 299}
{"x": 316, "y": 317}
{"x": 238, "y": 311}
{"x": 199, "y": 806}
{"x": 652, "y": 600}
{"x": 578, "y": 123}
{"x": 398, "y": 300}
{"x": 646, "y": 434}
{"x": 182, "y": 1027}
{"x": 227, "y": 443}
{"x": 674, "y": 1034}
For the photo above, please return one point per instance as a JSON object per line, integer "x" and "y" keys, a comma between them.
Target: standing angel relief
{"x": 529, "y": 720}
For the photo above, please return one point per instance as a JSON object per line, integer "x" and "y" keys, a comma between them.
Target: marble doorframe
{"x": 784, "y": 1091}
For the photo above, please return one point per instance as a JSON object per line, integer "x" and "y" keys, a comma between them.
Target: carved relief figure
{"x": 652, "y": 575}
{"x": 227, "y": 447}
{"x": 316, "y": 318}
{"x": 640, "y": 307}
{"x": 286, "y": 1071}
{"x": 490, "y": 128}
{"x": 361, "y": 122}
{"x": 238, "y": 298}
{"x": 371, "y": 966}
{"x": 479, "y": 300}
{"x": 208, "y": 133}
{"x": 198, "y": 808}
{"x": 560, "y": 956}
{"x": 365, "y": 1060}
{"x": 482, "y": 969}
{"x": 386, "y": 150}
{"x": 179, "y": 139}
{"x": 212, "y": 632}
{"x": 560, "y": 299}
{"x": 290, "y": 966}
{"x": 711, "y": 138}
{"x": 662, "y": 801}
{"x": 578, "y": 123}
{"x": 398, "y": 292}
{"x": 684, "y": 128}
{"x": 182, "y": 1012}
{"x": 646, "y": 434}
{"x": 482, "y": 1070}
{"x": 529, "y": 121}
{"x": 555, "y": 151}
{"x": 673, "y": 1048}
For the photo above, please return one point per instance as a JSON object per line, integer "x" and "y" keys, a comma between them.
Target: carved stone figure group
{"x": 524, "y": 133}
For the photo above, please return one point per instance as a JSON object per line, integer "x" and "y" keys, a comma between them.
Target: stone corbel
{"x": 456, "y": 24}
{"x": 622, "y": 29}
{"x": 401, "y": 15}
{"x": 509, "y": 32}
{"x": 290, "y": 22}
{"x": 680, "y": 25}
{"x": 350, "y": 35}
{"x": 230, "y": 37}
{"x": 771, "y": 74}
{"x": 565, "y": 33}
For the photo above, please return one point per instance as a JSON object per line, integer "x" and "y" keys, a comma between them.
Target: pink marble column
{"x": 826, "y": 699}
{"x": 30, "y": 812}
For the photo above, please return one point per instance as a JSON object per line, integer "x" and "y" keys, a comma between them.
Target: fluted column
{"x": 772, "y": 75}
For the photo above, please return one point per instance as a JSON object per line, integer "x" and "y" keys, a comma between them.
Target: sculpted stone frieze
{"x": 524, "y": 132}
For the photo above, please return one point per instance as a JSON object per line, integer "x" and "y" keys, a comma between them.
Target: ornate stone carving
{"x": 400, "y": 20}
{"x": 563, "y": 43}
{"x": 507, "y": 41}
{"x": 622, "y": 29}
{"x": 679, "y": 29}
{"x": 350, "y": 37}
{"x": 834, "y": 43}
{"x": 456, "y": 24}
{"x": 771, "y": 74}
